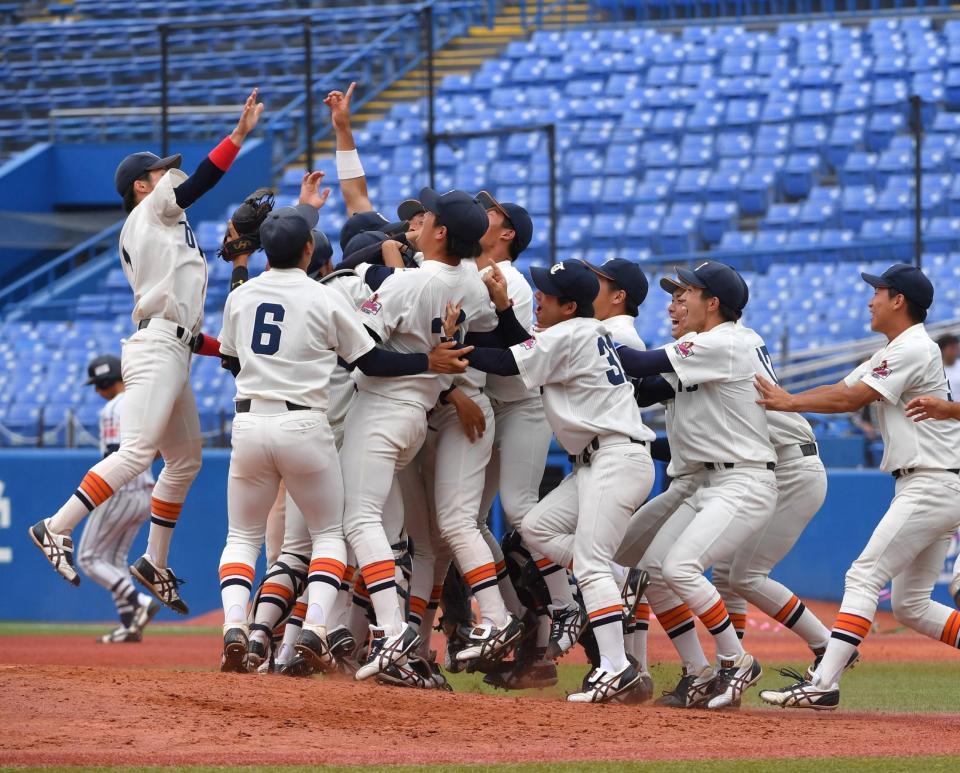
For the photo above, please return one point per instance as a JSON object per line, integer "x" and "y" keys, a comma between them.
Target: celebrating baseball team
{"x": 382, "y": 404}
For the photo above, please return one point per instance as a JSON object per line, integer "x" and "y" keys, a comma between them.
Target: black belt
{"x": 732, "y": 465}
{"x": 181, "y": 331}
{"x": 594, "y": 445}
{"x": 243, "y": 406}
{"x": 909, "y": 470}
{"x": 808, "y": 449}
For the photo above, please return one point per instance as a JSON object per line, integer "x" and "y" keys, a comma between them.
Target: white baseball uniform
{"x": 910, "y": 543}
{"x": 287, "y": 332}
{"x": 802, "y": 487}
{"x": 387, "y": 424}
{"x": 168, "y": 274}
{"x": 724, "y": 430}
{"x": 589, "y": 403}
{"x": 112, "y": 527}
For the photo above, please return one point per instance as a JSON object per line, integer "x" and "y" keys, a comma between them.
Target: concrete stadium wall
{"x": 34, "y": 483}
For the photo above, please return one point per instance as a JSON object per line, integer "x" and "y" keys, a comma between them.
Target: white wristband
{"x": 348, "y": 164}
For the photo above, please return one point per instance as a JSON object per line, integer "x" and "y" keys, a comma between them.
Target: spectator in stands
{"x": 950, "y": 351}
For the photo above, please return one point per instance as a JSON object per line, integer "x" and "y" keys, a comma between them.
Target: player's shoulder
{"x": 749, "y": 335}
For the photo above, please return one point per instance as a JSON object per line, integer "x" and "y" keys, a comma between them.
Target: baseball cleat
{"x": 633, "y": 588}
{"x": 145, "y": 613}
{"x": 417, "y": 672}
{"x": 566, "y": 625}
{"x": 57, "y": 549}
{"x": 734, "y": 677}
{"x": 641, "y": 692}
{"x": 162, "y": 583}
{"x": 811, "y": 670}
{"x": 312, "y": 646}
{"x": 121, "y": 634}
{"x": 802, "y": 694}
{"x": 386, "y": 650}
{"x": 490, "y": 643}
{"x": 523, "y": 676}
{"x": 341, "y": 643}
{"x": 602, "y": 686}
{"x": 692, "y": 691}
{"x": 234, "y": 657}
{"x": 258, "y": 653}
{"x": 455, "y": 643}
{"x": 955, "y": 589}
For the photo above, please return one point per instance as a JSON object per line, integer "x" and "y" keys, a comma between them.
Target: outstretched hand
{"x": 772, "y": 397}
{"x": 922, "y": 408}
{"x": 252, "y": 110}
{"x": 445, "y": 359}
{"x": 310, "y": 192}
{"x": 339, "y": 104}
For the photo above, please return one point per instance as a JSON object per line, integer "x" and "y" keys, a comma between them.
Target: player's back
{"x": 287, "y": 331}
{"x": 161, "y": 259}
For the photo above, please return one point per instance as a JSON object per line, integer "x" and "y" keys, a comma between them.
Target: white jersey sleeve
{"x": 394, "y": 302}
{"x": 543, "y": 358}
{"x": 227, "y": 337}
{"x": 900, "y": 369}
{"x": 624, "y": 332}
{"x": 510, "y": 389}
{"x": 705, "y": 358}
{"x": 345, "y": 332}
{"x": 161, "y": 202}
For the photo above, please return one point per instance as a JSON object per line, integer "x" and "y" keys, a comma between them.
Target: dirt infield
{"x": 159, "y": 703}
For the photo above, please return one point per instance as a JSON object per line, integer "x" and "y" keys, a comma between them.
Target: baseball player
{"x": 168, "y": 274}
{"x": 588, "y": 402}
{"x": 711, "y": 375}
{"x": 282, "y": 330}
{"x": 921, "y": 409}
{"x": 911, "y": 541}
{"x": 112, "y": 527}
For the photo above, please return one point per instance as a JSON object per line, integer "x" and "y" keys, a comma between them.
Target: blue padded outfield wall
{"x": 34, "y": 483}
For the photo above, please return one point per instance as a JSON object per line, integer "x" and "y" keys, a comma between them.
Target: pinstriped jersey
{"x": 786, "y": 428}
{"x": 585, "y": 391}
{"x": 110, "y": 440}
{"x": 716, "y": 401}
{"x": 161, "y": 259}
{"x": 510, "y": 389}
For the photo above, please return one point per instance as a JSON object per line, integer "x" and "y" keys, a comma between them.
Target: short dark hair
{"x": 130, "y": 197}
{"x": 916, "y": 313}
{"x": 461, "y": 248}
{"x": 728, "y": 314}
{"x": 584, "y": 310}
{"x": 287, "y": 261}
{"x": 628, "y": 306}
{"x": 948, "y": 340}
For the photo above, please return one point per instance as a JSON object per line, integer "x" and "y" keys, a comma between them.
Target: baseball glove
{"x": 246, "y": 221}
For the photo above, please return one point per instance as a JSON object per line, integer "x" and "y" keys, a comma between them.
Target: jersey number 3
{"x": 266, "y": 335}
{"x": 615, "y": 373}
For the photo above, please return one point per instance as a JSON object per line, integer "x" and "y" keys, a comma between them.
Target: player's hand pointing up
{"x": 310, "y": 192}
{"x": 252, "y": 110}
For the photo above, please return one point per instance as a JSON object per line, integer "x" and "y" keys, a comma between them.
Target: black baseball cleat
{"x": 641, "y": 692}
{"x": 566, "y": 625}
{"x": 57, "y": 549}
{"x": 341, "y": 643}
{"x": 693, "y": 690}
{"x": 417, "y": 672}
{"x": 488, "y": 643}
{"x": 515, "y": 675}
{"x": 387, "y": 650}
{"x": 633, "y": 588}
{"x": 312, "y": 646}
{"x": 802, "y": 694}
{"x": 234, "y": 657}
{"x": 121, "y": 634}
{"x": 601, "y": 686}
{"x": 145, "y": 614}
{"x": 162, "y": 583}
{"x": 735, "y": 676}
{"x": 258, "y": 653}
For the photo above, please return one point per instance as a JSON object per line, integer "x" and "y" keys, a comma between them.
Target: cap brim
{"x": 430, "y": 200}
{"x": 873, "y": 280}
{"x": 596, "y": 270}
{"x": 409, "y": 209}
{"x": 689, "y": 278}
{"x": 671, "y": 285}
{"x": 487, "y": 200}
{"x": 170, "y": 162}
{"x": 394, "y": 229}
{"x": 544, "y": 282}
{"x": 308, "y": 213}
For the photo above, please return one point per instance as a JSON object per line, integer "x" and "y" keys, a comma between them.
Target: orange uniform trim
{"x": 642, "y": 612}
{"x": 951, "y": 629}
{"x": 378, "y": 572}
{"x": 169, "y": 511}
{"x": 674, "y": 617}
{"x": 605, "y": 611}
{"x": 418, "y": 606}
{"x": 787, "y": 610}
{"x": 276, "y": 589}
{"x": 715, "y": 615}
{"x": 739, "y": 620}
{"x": 243, "y": 570}
{"x": 436, "y": 592}
{"x": 481, "y": 573}
{"x": 328, "y": 565}
{"x": 858, "y": 626}
{"x": 299, "y": 610}
{"x": 96, "y": 488}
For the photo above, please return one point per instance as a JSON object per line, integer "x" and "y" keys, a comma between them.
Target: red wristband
{"x": 224, "y": 154}
{"x": 209, "y": 347}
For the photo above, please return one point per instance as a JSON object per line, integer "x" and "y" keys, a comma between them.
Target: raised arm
{"x": 218, "y": 161}
{"x": 353, "y": 182}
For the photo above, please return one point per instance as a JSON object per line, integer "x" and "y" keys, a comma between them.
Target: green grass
{"x": 813, "y": 765}
{"x": 94, "y": 629}
{"x": 903, "y": 687}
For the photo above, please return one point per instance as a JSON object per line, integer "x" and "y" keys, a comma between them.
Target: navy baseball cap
{"x": 458, "y": 212}
{"x": 409, "y": 209}
{"x": 322, "y": 252}
{"x": 518, "y": 218}
{"x": 134, "y": 166}
{"x": 362, "y": 241}
{"x": 360, "y": 222}
{"x": 286, "y": 231}
{"x": 571, "y": 279}
{"x": 718, "y": 278}
{"x": 907, "y": 280}
{"x": 104, "y": 370}
{"x": 626, "y": 275}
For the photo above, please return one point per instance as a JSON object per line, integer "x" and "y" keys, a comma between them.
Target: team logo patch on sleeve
{"x": 371, "y": 306}
{"x": 684, "y": 349}
{"x": 529, "y": 343}
{"x": 882, "y": 370}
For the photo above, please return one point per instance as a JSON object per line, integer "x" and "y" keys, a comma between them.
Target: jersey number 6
{"x": 266, "y": 335}
{"x": 615, "y": 373}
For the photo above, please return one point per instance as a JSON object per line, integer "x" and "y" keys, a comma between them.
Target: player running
{"x": 112, "y": 527}
{"x": 168, "y": 274}
{"x": 911, "y": 541}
